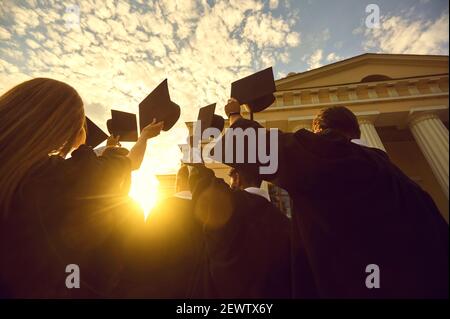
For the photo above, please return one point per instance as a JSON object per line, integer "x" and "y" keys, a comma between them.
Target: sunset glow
{"x": 144, "y": 190}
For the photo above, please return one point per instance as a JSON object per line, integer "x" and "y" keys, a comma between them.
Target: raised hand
{"x": 152, "y": 130}
{"x": 233, "y": 107}
{"x": 113, "y": 141}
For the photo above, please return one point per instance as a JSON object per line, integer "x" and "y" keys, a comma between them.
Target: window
{"x": 375, "y": 78}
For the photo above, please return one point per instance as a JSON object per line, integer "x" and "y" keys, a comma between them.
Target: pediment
{"x": 370, "y": 67}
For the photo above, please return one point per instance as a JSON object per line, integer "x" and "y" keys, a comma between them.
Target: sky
{"x": 115, "y": 52}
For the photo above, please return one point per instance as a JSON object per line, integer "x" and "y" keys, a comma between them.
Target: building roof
{"x": 355, "y": 69}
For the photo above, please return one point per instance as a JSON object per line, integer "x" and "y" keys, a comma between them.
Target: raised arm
{"x": 292, "y": 162}
{"x": 137, "y": 152}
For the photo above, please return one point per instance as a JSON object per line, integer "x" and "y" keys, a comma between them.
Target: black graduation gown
{"x": 247, "y": 241}
{"x": 353, "y": 207}
{"x": 72, "y": 211}
{"x": 163, "y": 261}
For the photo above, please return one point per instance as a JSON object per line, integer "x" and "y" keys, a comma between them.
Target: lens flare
{"x": 144, "y": 189}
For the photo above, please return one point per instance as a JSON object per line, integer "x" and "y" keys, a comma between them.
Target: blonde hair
{"x": 38, "y": 117}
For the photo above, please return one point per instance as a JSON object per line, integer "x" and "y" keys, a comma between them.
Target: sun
{"x": 144, "y": 189}
{"x": 161, "y": 157}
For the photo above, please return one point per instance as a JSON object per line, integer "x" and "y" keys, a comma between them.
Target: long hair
{"x": 38, "y": 117}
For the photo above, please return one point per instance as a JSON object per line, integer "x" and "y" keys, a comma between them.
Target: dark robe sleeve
{"x": 109, "y": 173}
{"x": 291, "y": 160}
{"x": 305, "y": 161}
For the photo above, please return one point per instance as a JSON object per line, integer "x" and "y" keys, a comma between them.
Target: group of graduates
{"x": 352, "y": 207}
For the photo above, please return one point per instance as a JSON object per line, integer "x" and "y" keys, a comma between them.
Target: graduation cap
{"x": 123, "y": 124}
{"x": 94, "y": 134}
{"x": 157, "y": 105}
{"x": 255, "y": 90}
{"x": 208, "y": 119}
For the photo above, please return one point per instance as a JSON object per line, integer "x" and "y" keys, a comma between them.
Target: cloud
{"x": 117, "y": 54}
{"x": 23, "y": 19}
{"x": 325, "y": 36}
{"x": 358, "y": 30}
{"x": 273, "y": 4}
{"x": 318, "y": 58}
{"x": 271, "y": 31}
{"x": 99, "y": 26}
{"x": 32, "y": 44}
{"x": 293, "y": 39}
{"x": 4, "y": 34}
{"x": 281, "y": 75}
{"x": 333, "y": 57}
{"x": 406, "y": 35}
{"x": 315, "y": 60}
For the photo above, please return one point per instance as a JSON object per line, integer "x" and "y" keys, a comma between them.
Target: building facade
{"x": 401, "y": 102}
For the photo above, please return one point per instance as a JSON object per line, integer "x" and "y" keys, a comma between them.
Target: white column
{"x": 279, "y": 100}
{"x": 333, "y": 96}
{"x": 432, "y": 137}
{"x": 297, "y": 99}
{"x": 372, "y": 92}
{"x": 392, "y": 91}
{"x": 413, "y": 90}
{"x": 369, "y": 134}
{"x": 434, "y": 87}
{"x": 352, "y": 94}
{"x": 315, "y": 97}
